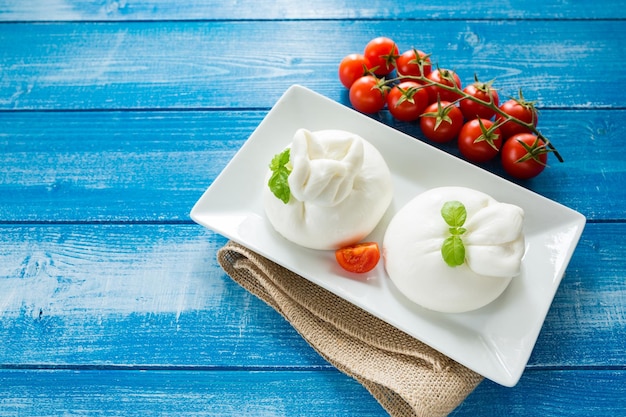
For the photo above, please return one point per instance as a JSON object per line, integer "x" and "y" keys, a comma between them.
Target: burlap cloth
{"x": 407, "y": 377}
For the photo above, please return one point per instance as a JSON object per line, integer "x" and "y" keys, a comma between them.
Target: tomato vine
{"x": 446, "y": 86}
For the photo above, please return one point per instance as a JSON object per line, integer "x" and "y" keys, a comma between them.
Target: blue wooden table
{"x": 115, "y": 116}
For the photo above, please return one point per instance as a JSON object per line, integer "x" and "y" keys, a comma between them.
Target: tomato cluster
{"x": 435, "y": 99}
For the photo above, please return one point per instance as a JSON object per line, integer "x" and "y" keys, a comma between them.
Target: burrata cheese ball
{"x": 339, "y": 188}
{"x": 421, "y": 242}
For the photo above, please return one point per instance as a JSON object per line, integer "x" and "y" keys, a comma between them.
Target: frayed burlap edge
{"x": 407, "y": 377}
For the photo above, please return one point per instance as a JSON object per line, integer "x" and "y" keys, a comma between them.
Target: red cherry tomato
{"x": 520, "y": 109}
{"x": 479, "y": 144}
{"x": 359, "y": 258}
{"x": 441, "y": 121}
{"x": 407, "y": 101}
{"x": 445, "y": 77}
{"x": 351, "y": 68}
{"x": 409, "y": 63}
{"x": 366, "y": 96}
{"x": 472, "y": 109}
{"x": 524, "y": 156}
{"x": 381, "y": 54}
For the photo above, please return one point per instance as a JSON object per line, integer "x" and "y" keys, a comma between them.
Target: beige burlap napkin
{"x": 407, "y": 377}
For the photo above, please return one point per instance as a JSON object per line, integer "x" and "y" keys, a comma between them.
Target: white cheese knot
{"x": 324, "y": 168}
{"x": 493, "y": 242}
{"x": 340, "y": 189}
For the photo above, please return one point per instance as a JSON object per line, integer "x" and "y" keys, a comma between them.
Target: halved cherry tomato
{"x": 351, "y": 68}
{"x": 359, "y": 258}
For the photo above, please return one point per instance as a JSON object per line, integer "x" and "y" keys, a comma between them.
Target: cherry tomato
{"x": 408, "y": 63}
{"x": 381, "y": 54}
{"x": 407, "y": 101}
{"x": 479, "y": 144}
{"x": 366, "y": 96}
{"x": 524, "y": 155}
{"x": 351, "y": 68}
{"x": 359, "y": 258}
{"x": 441, "y": 121}
{"x": 445, "y": 77}
{"x": 484, "y": 92}
{"x": 520, "y": 109}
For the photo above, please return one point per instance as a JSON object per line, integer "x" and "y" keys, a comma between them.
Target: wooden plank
{"x": 586, "y": 324}
{"x": 551, "y": 393}
{"x": 228, "y": 65}
{"x": 137, "y": 319}
{"x": 153, "y": 166}
{"x": 183, "y": 393}
{"x": 114, "y": 166}
{"x": 80, "y": 10}
{"x": 132, "y": 294}
{"x": 153, "y": 294}
{"x": 287, "y": 393}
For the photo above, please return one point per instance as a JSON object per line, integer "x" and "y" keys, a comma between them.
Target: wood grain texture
{"x": 133, "y": 294}
{"x": 153, "y": 294}
{"x": 80, "y": 10}
{"x": 285, "y": 393}
{"x": 183, "y": 393}
{"x": 153, "y": 166}
{"x": 116, "y": 115}
{"x": 119, "y": 166}
{"x": 220, "y": 65}
{"x": 553, "y": 393}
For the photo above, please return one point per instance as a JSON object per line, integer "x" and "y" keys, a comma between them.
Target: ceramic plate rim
{"x": 484, "y": 345}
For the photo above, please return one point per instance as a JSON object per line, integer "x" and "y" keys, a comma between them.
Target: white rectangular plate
{"x": 495, "y": 341}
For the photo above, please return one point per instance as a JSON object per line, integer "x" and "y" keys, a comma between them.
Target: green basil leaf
{"x": 453, "y": 251}
{"x": 454, "y": 213}
{"x": 280, "y": 160}
{"x": 278, "y": 182}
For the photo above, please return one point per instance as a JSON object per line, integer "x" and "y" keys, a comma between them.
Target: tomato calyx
{"x": 488, "y": 135}
{"x": 448, "y": 75}
{"x": 408, "y": 94}
{"x": 485, "y": 87}
{"x": 382, "y": 84}
{"x": 441, "y": 115}
{"x": 390, "y": 58}
{"x": 528, "y": 105}
{"x": 538, "y": 147}
{"x": 420, "y": 60}
{"x": 525, "y": 103}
